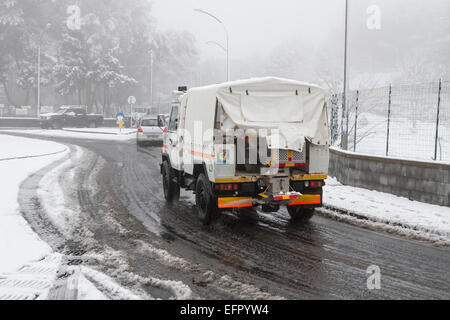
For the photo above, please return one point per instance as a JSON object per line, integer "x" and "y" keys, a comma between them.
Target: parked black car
{"x": 70, "y": 117}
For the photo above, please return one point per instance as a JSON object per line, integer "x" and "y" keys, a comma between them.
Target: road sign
{"x": 131, "y": 100}
{"x": 120, "y": 117}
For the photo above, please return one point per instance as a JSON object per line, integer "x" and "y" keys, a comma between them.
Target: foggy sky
{"x": 253, "y": 25}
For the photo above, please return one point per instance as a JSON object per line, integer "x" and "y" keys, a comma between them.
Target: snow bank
{"x": 389, "y": 212}
{"x": 62, "y": 213}
{"x": 18, "y": 243}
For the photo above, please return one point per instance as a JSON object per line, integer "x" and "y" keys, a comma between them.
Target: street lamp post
{"x": 151, "y": 78}
{"x": 221, "y": 47}
{"x": 39, "y": 71}
{"x": 39, "y": 81}
{"x": 227, "y": 38}
{"x": 217, "y": 44}
{"x": 344, "y": 129}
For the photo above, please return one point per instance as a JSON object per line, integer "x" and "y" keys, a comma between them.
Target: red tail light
{"x": 165, "y": 129}
{"x": 227, "y": 187}
{"x": 140, "y": 129}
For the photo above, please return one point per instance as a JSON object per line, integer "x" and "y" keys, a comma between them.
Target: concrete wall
{"x": 34, "y": 122}
{"x": 422, "y": 181}
{"x": 19, "y": 122}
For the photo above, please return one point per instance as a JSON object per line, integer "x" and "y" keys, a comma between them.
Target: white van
{"x": 261, "y": 141}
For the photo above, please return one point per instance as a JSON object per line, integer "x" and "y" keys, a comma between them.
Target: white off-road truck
{"x": 261, "y": 141}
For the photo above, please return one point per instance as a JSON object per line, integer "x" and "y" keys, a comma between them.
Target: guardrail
{"x": 416, "y": 180}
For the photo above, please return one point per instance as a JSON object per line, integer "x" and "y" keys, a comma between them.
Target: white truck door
{"x": 171, "y": 139}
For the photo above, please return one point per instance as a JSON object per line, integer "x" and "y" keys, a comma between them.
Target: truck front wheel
{"x": 204, "y": 200}
{"x": 299, "y": 213}
{"x": 171, "y": 188}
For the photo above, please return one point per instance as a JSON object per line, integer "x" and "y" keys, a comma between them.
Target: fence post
{"x": 344, "y": 124}
{"x": 356, "y": 120}
{"x": 437, "y": 120}
{"x": 388, "y": 120}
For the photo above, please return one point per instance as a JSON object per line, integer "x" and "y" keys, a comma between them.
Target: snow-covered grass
{"x": 407, "y": 138}
{"x": 92, "y": 134}
{"x": 386, "y": 211}
{"x": 18, "y": 243}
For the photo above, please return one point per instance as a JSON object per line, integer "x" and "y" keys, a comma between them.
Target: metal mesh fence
{"x": 408, "y": 121}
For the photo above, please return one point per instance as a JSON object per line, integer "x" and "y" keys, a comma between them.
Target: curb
{"x": 36, "y": 156}
{"x": 110, "y": 133}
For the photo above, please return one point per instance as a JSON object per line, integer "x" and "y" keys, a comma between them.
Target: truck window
{"x": 173, "y": 123}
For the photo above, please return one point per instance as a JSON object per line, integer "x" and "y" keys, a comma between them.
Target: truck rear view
{"x": 258, "y": 142}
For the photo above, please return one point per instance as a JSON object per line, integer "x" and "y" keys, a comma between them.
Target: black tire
{"x": 204, "y": 200}
{"x": 171, "y": 188}
{"x": 57, "y": 125}
{"x": 270, "y": 208}
{"x": 299, "y": 213}
{"x": 92, "y": 124}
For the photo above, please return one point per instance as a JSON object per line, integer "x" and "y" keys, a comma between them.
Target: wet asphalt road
{"x": 243, "y": 254}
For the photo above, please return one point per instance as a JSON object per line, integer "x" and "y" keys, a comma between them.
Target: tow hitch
{"x": 280, "y": 198}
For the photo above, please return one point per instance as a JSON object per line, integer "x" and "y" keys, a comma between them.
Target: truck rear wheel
{"x": 299, "y": 213}
{"x": 92, "y": 124}
{"x": 171, "y": 188}
{"x": 204, "y": 200}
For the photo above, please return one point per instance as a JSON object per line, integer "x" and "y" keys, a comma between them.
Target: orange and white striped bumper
{"x": 235, "y": 202}
{"x": 306, "y": 199}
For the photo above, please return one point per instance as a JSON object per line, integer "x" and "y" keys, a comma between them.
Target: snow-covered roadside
{"x": 28, "y": 266}
{"x": 18, "y": 243}
{"x": 22, "y": 252}
{"x": 387, "y": 212}
{"x": 92, "y": 134}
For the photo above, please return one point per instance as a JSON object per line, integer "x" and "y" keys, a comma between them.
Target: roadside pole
{"x": 344, "y": 128}
{"x": 38, "y": 107}
{"x": 356, "y": 120}
{"x": 436, "y": 139}
{"x": 388, "y": 120}
{"x": 151, "y": 78}
{"x": 131, "y": 101}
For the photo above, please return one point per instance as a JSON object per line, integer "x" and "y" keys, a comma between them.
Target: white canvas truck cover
{"x": 296, "y": 109}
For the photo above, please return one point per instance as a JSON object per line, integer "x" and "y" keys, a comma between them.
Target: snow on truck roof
{"x": 272, "y": 83}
